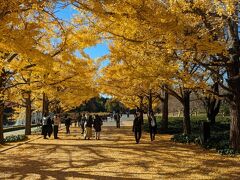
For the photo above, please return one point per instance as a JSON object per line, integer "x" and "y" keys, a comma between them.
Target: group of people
{"x": 86, "y": 122}
{"x": 138, "y": 126}
{"x": 50, "y": 125}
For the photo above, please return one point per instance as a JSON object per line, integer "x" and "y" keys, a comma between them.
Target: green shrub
{"x": 219, "y": 132}
{"x": 184, "y": 138}
{"x": 15, "y": 138}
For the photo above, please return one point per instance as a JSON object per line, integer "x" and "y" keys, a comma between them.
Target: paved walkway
{"x": 18, "y": 132}
{"x": 115, "y": 156}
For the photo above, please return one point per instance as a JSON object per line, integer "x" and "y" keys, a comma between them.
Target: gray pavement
{"x": 124, "y": 121}
{"x": 18, "y": 132}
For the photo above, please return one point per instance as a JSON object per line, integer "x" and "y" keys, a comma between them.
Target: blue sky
{"x": 94, "y": 52}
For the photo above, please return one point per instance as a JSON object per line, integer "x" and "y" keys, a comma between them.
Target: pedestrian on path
{"x": 117, "y": 119}
{"x": 79, "y": 119}
{"x": 97, "y": 126}
{"x": 88, "y": 128}
{"x": 152, "y": 125}
{"x": 82, "y": 123}
{"x": 75, "y": 119}
{"x": 44, "y": 126}
{"x": 56, "y": 122}
{"x": 49, "y": 126}
{"x": 67, "y": 124}
{"x": 137, "y": 127}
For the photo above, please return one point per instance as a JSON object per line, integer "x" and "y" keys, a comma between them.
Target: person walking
{"x": 82, "y": 123}
{"x": 44, "y": 126}
{"x": 75, "y": 119}
{"x": 88, "y": 127}
{"x": 97, "y": 126}
{"x": 56, "y": 123}
{"x": 79, "y": 119}
{"x": 117, "y": 119}
{"x": 137, "y": 127}
{"x": 67, "y": 124}
{"x": 49, "y": 126}
{"x": 152, "y": 125}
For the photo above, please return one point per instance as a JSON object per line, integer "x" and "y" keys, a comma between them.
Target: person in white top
{"x": 57, "y": 122}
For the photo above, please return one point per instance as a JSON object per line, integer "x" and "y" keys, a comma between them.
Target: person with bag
{"x": 152, "y": 125}
{"x": 97, "y": 126}
{"x": 67, "y": 124}
{"x": 137, "y": 127}
{"x": 56, "y": 123}
{"x": 88, "y": 127}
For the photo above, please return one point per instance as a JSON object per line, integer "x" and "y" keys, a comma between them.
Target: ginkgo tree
{"x": 46, "y": 57}
{"x": 207, "y": 28}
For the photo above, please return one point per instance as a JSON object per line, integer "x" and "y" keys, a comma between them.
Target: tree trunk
{"x": 1, "y": 106}
{"x": 211, "y": 118}
{"x": 235, "y": 126}
{"x": 234, "y": 80}
{"x": 1, "y": 122}
{"x": 186, "y": 112}
{"x": 141, "y": 109}
{"x": 165, "y": 110}
{"x": 213, "y": 105}
{"x": 43, "y": 104}
{"x": 45, "y": 108}
{"x": 150, "y": 109}
{"x": 234, "y": 84}
{"x": 28, "y": 125}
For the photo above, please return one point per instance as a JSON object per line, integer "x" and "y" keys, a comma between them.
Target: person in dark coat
{"x": 137, "y": 127}
{"x": 82, "y": 123}
{"x": 44, "y": 126}
{"x": 88, "y": 127}
{"x": 79, "y": 119}
{"x": 117, "y": 119}
{"x": 67, "y": 124}
{"x": 97, "y": 124}
{"x": 152, "y": 125}
{"x": 49, "y": 126}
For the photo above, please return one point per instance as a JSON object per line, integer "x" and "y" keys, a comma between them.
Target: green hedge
{"x": 15, "y": 138}
{"x": 219, "y": 133}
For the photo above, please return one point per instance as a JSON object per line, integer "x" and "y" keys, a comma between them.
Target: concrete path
{"x": 124, "y": 121}
{"x": 18, "y": 132}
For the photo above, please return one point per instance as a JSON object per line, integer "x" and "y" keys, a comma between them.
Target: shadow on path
{"x": 115, "y": 156}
